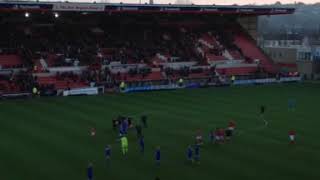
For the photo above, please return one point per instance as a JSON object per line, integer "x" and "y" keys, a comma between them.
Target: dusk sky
{"x": 218, "y": 2}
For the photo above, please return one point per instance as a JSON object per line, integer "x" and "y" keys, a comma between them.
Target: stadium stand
{"x": 10, "y": 61}
{"x": 79, "y": 49}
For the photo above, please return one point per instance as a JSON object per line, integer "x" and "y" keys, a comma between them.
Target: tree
{"x": 183, "y": 2}
{"x": 278, "y": 3}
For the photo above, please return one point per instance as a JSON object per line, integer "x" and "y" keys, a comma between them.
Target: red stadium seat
{"x": 250, "y": 49}
{"x": 10, "y": 61}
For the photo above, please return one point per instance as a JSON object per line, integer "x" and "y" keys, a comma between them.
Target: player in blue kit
{"x": 197, "y": 153}
{"x": 90, "y": 172}
{"x": 107, "y": 153}
{"x": 158, "y": 156}
{"x": 141, "y": 144}
{"x": 125, "y": 126}
{"x": 291, "y": 104}
{"x": 189, "y": 154}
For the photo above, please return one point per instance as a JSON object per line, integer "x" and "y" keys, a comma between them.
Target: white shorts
{"x": 93, "y": 133}
{"x": 231, "y": 128}
{"x": 217, "y": 138}
{"x": 291, "y": 137}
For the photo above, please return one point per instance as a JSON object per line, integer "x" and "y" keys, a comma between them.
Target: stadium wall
{"x": 309, "y": 69}
{"x": 282, "y": 54}
{"x": 305, "y": 68}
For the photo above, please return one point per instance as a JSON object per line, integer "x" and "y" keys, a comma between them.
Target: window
{"x": 304, "y": 56}
{"x": 308, "y": 56}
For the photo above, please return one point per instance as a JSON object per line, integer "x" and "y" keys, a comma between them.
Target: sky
{"x": 217, "y": 2}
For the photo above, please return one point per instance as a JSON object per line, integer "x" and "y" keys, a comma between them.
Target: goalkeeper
{"x": 124, "y": 145}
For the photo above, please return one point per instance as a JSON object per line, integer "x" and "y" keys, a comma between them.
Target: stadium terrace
{"x": 89, "y": 48}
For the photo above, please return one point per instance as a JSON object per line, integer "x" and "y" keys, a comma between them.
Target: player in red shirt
{"x": 230, "y": 129}
{"x": 221, "y": 135}
{"x": 292, "y": 136}
{"x": 232, "y": 125}
{"x": 93, "y": 132}
{"x": 217, "y": 136}
{"x": 199, "y": 139}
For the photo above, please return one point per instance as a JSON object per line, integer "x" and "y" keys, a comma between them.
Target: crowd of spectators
{"x": 16, "y": 82}
{"x": 126, "y": 39}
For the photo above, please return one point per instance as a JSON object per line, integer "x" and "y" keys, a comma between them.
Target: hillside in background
{"x": 306, "y": 20}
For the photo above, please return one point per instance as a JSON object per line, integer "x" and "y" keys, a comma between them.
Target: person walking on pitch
{"x": 189, "y": 154}
{"x": 107, "y": 153}
{"x": 90, "y": 172}
{"x": 158, "y": 156}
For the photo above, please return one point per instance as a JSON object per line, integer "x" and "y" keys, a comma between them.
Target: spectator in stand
{"x": 233, "y": 78}
{"x": 180, "y": 82}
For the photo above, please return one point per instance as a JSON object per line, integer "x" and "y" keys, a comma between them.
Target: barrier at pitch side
{"x": 290, "y": 79}
{"x": 198, "y": 85}
{"x": 267, "y": 81}
{"x": 81, "y": 91}
{"x": 152, "y": 88}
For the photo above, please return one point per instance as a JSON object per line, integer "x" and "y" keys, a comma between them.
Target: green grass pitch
{"x": 47, "y": 138}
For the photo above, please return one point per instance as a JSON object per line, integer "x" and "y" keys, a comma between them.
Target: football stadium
{"x": 147, "y": 92}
